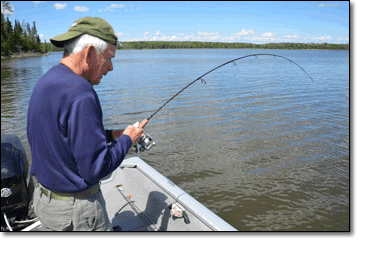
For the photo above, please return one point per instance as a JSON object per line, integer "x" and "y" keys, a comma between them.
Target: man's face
{"x": 100, "y": 64}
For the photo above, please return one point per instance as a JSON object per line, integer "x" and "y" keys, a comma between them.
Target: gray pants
{"x": 71, "y": 215}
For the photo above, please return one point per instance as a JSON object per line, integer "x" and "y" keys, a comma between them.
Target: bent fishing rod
{"x": 145, "y": 142}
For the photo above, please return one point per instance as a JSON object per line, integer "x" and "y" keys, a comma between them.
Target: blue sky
{"x": 221, "y": 21}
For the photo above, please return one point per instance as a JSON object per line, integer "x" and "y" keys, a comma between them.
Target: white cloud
{"x": 117, "y": 6}
{"x": 166, "y": 38}
{"x": 322, "y": 38}
{"x": 60, "y": 6}
{"x": 247, "y": 36}
{"x": 82, "y": 9}
{"x": 207, "y": 33}
{"x": 112, "y": 7}
{"x": 291, "y": 36}
{"x": 41, "y": 36}
{"x": 120, "y": 34}
{"x": 245, "y": 32}
{"x": 328, "y": 5}
{"x": 342, "y": 39}
{"x": 229, "y": 38}
{"x": 268, "y": 34}
{"x": 36, "y": 3}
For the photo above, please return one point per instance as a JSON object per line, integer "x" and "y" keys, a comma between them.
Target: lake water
{"x": 259, "y": 144}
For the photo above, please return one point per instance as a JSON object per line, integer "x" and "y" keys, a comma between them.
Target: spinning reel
{"x": 145, "y": 142}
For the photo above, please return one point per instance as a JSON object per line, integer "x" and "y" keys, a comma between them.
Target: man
{"x": 69, "y": 145}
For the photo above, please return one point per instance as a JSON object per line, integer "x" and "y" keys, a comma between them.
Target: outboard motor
{"x": 14, "y": 181}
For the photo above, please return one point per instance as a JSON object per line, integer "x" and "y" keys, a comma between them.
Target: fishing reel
{"x": 144, "y": 143}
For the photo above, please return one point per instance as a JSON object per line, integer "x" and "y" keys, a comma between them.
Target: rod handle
{"x": 144, "y": 123}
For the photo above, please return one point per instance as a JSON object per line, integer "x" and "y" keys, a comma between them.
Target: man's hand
{"x": 135, "y": 133}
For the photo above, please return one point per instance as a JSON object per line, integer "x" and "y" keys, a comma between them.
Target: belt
{"x": 67, "y": 196}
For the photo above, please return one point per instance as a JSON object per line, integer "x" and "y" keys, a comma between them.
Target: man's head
{"x": 89, "y": 46}
{"x": 89, "y": 57}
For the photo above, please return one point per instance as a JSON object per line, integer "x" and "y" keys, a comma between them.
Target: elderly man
{"x": 69, "y": 146}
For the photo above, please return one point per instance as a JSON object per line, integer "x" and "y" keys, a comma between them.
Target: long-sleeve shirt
{"x": 69, "y": 148}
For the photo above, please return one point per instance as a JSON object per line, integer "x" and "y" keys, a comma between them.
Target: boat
{"x": 138, "y": 197}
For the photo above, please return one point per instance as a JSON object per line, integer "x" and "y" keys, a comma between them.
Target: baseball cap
{"x": 94, "y": 26}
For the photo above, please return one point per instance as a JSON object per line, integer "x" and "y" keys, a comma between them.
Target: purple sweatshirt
{"x": 69, "y": 148}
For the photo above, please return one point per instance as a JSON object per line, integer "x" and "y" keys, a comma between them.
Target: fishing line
{"x": 203, "y": 81}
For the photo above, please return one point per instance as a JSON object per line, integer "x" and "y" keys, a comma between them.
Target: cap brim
{"x": 59, "y": 40}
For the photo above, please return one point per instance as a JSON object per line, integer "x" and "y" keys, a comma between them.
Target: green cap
{"x": 94, "y": 26}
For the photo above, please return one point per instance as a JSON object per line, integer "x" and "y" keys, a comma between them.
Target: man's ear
{"x": 90, "y": 54}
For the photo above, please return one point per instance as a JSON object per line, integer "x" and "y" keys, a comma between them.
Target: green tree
{"x": 34, "y": 33}
{"x": 2, "y": 27}
{"x": 18, "y": 38}
{"x": 46, "y": 50}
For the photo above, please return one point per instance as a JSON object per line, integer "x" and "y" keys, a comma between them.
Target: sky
{"x": 217, "y": 21}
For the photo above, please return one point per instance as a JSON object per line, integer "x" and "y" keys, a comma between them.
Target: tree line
{"x": 227, "y": 45}
{"x": 139, "y": 45}
{"x": 19, "y": 38}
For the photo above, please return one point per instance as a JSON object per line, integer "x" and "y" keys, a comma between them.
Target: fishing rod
{"x": 146, "y": 142}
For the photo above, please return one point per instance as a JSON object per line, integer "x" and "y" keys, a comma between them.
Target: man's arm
{"x": 93, "y": 157}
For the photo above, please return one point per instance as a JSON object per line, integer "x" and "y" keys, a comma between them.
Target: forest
{"x": 20, "y": 38}
{"x": 227, "y": 45}
{"x": 139, "y": 45}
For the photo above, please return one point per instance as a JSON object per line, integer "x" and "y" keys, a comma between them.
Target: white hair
{"x": 79, "y": 43}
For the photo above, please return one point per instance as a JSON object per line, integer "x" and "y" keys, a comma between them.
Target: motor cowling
{"x": 14, "y": 176}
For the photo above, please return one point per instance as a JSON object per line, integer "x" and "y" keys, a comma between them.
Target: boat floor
{"x": 138, "y": 198}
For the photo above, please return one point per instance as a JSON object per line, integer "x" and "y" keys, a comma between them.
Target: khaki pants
{"x": 71, "y": 215}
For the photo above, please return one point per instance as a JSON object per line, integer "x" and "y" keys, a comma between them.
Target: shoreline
{"x": 24, "y": 55}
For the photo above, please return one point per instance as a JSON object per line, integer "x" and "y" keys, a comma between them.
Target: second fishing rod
{"x": 145, "y": 143}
